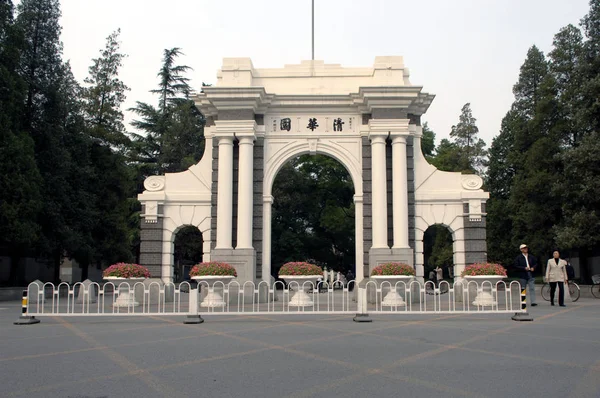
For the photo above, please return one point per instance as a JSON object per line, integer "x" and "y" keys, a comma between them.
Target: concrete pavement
{"x": 305, "y": 356}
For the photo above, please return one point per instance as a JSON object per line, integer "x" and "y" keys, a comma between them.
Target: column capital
{"x": 225, "y": 140}
{"x": 246, "y": 139}
{"x": 378, "y": 138}
{"x": 399, "y": 139}
{"x": 235, "y": 128}
{"x": 389, "y": 126}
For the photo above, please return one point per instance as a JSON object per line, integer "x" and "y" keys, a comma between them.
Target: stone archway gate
{"x": 369, "y": 119}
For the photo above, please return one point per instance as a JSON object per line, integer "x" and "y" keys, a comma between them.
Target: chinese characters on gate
{"x": 285, "y": 124}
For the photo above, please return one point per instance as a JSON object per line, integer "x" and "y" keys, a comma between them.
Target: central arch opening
{"x": 313, "y": 216}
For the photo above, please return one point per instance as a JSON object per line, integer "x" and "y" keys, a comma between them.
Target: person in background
{"x": 432, "y": 276}
{"x": 570, "y": 270}
{"x": 556, "y": 273}
{"x": 439, "y": 275}
{"x": 525, "y": 265}
{"x": 350, "y": 277}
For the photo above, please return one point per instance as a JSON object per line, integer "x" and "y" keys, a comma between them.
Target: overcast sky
{"x": 461, "y": 50}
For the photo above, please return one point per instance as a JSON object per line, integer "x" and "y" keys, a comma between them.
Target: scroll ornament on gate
{"x": 154, "y": 183}
{"x": 471, "y": 182}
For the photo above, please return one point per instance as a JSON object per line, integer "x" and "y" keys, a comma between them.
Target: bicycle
{"x": 595, "y": 288}
{"x": 574, "y": 291}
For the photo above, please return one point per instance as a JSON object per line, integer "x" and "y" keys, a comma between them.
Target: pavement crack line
{"x": 123, "y": 362}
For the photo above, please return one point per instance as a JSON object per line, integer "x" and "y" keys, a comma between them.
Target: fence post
{"x": 522, "y": 316}
{"x": 361, "y": 301}
{"x": 194, "y": 317}
{"x": 25, "y": 319}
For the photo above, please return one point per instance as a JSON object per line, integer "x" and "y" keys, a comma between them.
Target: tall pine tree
{"x": 172, "y": 133}
{"x": 20, "y": 199}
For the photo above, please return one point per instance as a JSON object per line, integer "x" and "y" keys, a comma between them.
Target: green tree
{"x": 104, "y": 96}
{"x": 20, "y": 200}
{"x": 447, "y": 156}
{"x": 533, "y": 210}
{"x": 437, "y": 248}
{"x": 499, "y": 180}
{"x": 53, "y": 118}
{"x": 472, "y": 151}
{"x": 112, "y": 180}
{"x": 172, "y": 136}
{"x": 313, "y": 213}
{"x": 427, "y": 141}
{"x": 590, "y": 68}
{"x": 565, "y": 66}
{"x": 579, "y": 194}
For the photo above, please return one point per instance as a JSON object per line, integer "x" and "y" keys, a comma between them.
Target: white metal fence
{"x": 369, "y": 297}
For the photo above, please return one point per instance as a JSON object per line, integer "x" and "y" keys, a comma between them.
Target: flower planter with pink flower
{"x": 127, "y": 276}
{"x": 215, "y": 274}
{"x": 393, "y": 273}
{"x": 486, "y": 275}
{"x": 300, "y": 276}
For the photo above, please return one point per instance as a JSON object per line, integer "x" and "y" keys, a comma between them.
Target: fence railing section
{"x": 218, "y": 298}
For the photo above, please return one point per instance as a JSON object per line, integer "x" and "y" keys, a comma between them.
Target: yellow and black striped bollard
{"x": 523, "y": 316}
{"x": 25, "y": 319}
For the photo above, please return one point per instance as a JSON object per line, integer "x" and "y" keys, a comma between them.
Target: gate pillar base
{"x": 362, "y": 318}
{"x": 27, "y": 320}
{"x": 521, "y": 317}
{"x": 193, "y": 320}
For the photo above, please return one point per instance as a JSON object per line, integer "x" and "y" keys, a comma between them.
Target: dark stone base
{"x": 27, "y": 320}
{"x": 362, "y": 318}
{"x": 193, "y": 320}
{"x": 522, "y": 317}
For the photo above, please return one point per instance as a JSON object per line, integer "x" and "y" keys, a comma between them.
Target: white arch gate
{"x": 258, "y": 119}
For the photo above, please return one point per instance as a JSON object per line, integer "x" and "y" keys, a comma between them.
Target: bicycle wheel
{"x": 596, "y": 291}
{"x": 574, "y": 291}
{"x": 546, "y": 292}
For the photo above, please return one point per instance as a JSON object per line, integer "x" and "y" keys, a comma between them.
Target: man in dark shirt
{"x": 525, "y": 265}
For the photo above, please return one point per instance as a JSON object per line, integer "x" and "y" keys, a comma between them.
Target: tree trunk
{"x": 14, "y": 270}
{"x": 57, "y": 257}
{"x": 585, "y": 274}
{"x": 84, "y": 271}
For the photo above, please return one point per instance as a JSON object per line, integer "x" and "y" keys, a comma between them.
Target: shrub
{"x": 393, "y": 269}
{"x": 300, "y": 269}
{"x": 484, "y": 269}
{"x": 213, "y": 268}
{"x": 124, "y": 270}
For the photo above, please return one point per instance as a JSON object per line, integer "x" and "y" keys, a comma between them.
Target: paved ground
{"x": 557, "y": 355}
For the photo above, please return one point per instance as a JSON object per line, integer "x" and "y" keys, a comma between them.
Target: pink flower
{"x": 125, "y": 270}
{"x": 478, "y": 269}
{"x": 213, "y": 268}
{"x": 300, "y": 269}
{"x": 393, "y": 269}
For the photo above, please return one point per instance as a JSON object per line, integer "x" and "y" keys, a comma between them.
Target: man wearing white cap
{"x": 525, "y": 264}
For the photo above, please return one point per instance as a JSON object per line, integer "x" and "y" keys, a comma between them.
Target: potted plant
{"x": 301, "y": 276}
{"x": 391, "y": 273}
{"x": 130, "y": 275}
{"x": 484, "y": 274}
{"x": 213, "y": 273}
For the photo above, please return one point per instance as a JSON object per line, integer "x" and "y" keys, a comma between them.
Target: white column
{"x": 379, "y": 192}
{"x": 400, "y": 192}
{"x": 225, "y": 193}
{"x": 266, "y": 254}
{"x": 245, "y": 192}
{"x": 358, "y": 238}
{"x": 168, "y": 249}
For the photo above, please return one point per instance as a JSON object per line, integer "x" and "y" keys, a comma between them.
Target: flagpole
{"x": 313, "y": 30}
